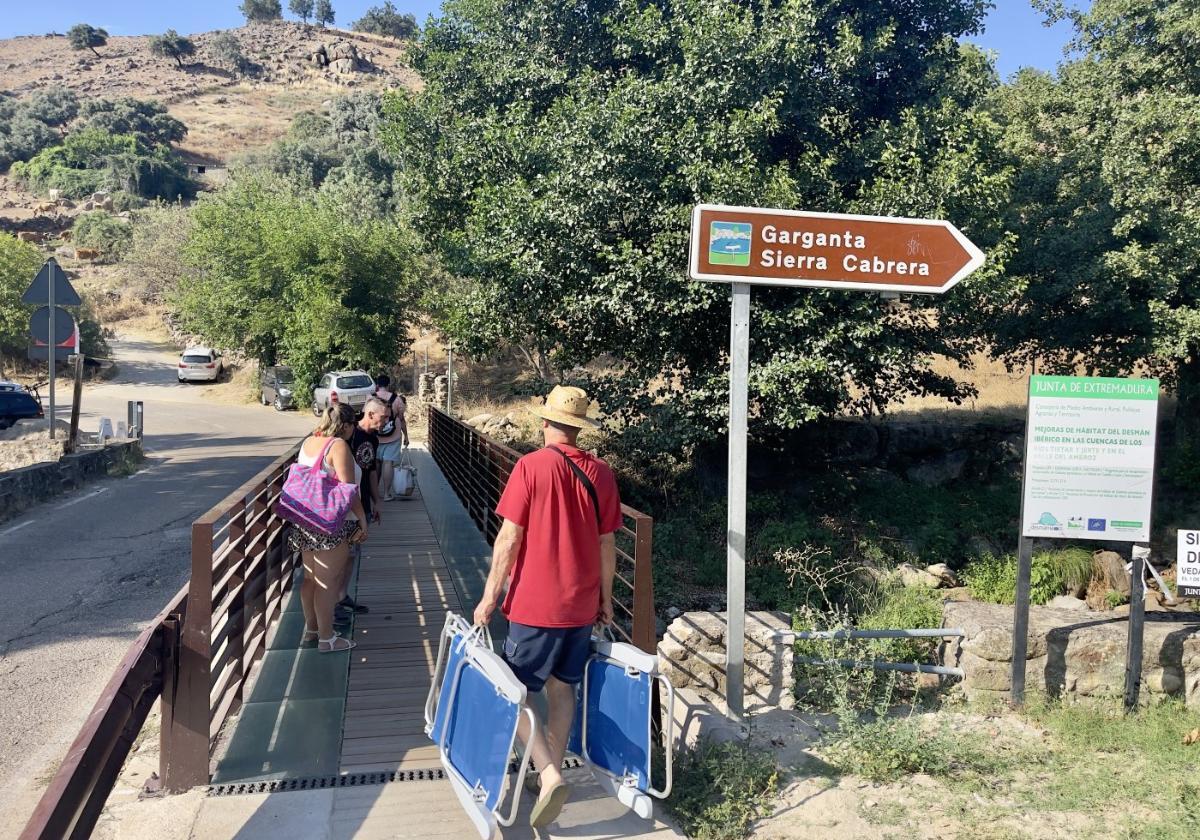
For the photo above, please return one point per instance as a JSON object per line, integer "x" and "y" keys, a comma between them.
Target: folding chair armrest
{"x": 519, "y": 784}
{"x": 668, "y": 740}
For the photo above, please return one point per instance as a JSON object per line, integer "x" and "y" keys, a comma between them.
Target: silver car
{"x": 200, "y": 364}
{"x": 353, "y": 387}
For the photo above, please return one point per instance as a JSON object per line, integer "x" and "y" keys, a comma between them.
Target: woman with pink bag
{"x": 326, "y": 554}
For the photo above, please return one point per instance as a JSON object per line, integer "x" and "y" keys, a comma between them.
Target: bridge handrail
{"x": 477, "y": 467}
{"x": 76, "y": 795}
{"x": 241, "y": 572}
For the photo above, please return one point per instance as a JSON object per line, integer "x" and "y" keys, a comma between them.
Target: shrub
{"x": 108, "y": 234}
{"x": 153, "y": 267}
{"x": 886, "y": 749}
{"x": 19, "y": 262}
{"x": 172, "y": 45}
{"x": 53, "y": 105}
{"x": 146, "y": 120}
{"x": 720, "y": 789}
{"x": 255, "y": 10}
{"x": 386, "y": 20}
{"x": 27, "y": 126}
{"x": 83, "y": 36}
{"x": 226, "y": 50}
{"x": 994, "y": 579}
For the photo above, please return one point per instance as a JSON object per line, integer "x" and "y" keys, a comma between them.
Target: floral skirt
{"x": 301, "y": 538}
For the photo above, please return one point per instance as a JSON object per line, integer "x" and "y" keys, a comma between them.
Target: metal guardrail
{"x": 878, "y": 665}
{"x": 478, "y": 467}
{"x": 241, "y": 572}
{"x": 76, "y": 795}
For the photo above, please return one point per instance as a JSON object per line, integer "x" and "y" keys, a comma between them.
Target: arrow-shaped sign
{"x": 39, "y": 290}
{"x": 828, "y": 250}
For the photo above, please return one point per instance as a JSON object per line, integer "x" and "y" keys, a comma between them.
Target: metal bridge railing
{"x": 477, "y": 467}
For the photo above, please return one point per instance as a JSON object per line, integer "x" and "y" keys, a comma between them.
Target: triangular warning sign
{"x": 39, "y": 291}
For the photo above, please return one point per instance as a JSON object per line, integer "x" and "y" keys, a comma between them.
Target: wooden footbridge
{"x": 264, "y": 723}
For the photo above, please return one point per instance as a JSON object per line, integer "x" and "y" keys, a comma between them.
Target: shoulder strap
{"x": 319, "y": 464}
{"x": 584, "y": 480}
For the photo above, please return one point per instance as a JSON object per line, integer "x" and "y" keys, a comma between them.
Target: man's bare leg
{"x": 550, "y": 745}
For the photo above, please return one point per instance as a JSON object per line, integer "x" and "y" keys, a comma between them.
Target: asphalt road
{"x": 83, "y": 574}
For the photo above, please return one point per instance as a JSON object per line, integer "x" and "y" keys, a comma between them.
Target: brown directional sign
{"x": 828, "y": 250}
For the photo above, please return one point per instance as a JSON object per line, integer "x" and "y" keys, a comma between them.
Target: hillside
{"x": 225, "y": 114}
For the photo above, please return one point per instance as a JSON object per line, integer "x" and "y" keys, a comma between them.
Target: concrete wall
{"x": 23, "y": 488}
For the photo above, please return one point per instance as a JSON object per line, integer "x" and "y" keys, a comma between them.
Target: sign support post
{"x": 1137, "y": 624}
{"x": 754, "y": 245}
{"x": 51, "y": 350}
{"x": 77, "y": 363}
{"x": 735, "y": 562}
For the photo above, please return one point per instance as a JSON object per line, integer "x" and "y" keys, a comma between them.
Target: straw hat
{"x": 567, "y": 405}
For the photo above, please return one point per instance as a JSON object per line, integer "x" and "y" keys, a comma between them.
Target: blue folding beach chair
{"x": 471, "y": 713}
{"x": 612, "y": 729}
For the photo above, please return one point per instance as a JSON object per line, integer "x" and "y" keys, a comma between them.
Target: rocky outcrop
{"x": 1073, "y": 653}
{"x": 692, "y": 656}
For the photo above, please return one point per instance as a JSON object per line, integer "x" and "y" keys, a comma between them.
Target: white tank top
{"x": 308, "y": 460}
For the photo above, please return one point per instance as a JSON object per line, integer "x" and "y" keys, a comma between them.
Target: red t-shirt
{"x": 556, "y": 579}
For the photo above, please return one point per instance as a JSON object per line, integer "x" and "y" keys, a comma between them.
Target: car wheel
{"x": 278, "y": 404}
{"x": 316, "y": 408}
{"x": 5, "y": 423}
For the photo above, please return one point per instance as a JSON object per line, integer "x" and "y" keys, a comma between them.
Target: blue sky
{"x": 1014, "y": 30}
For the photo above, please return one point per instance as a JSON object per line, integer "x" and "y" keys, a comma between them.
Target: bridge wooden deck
{"x": 405, "y": 581}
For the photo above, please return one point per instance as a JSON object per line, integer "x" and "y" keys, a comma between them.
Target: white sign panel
{"x": 1187, "y": 565}
{"x": 1089, "y": 471}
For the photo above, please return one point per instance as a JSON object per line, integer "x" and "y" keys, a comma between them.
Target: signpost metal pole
{"x": 1137, "y": 618}
{"x": 735, "y": 566}
{"x": 52, "y": 345}
{"x": 1020, "y": 645}
{"x": 77, "y": 362}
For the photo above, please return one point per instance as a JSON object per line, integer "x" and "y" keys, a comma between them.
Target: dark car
{"x": 277, "y": 388}
{"x": 17, "y": 404}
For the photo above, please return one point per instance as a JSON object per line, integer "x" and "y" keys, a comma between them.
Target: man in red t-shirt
{"x": 557, "y": 551}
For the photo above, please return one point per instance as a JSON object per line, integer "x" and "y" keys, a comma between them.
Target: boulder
{"x": 1112, "y": 571}
{"x": 479, "y": 419}
{"x": 944, "y": 574}
{"x": 1067, "y": 602}
{"x": 913, "y": 578}
{"x": 939, "y": 471}
{"x": 343, "y": 65}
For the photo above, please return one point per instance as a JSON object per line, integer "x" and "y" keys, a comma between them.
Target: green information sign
{"x": 1089, "y": 471}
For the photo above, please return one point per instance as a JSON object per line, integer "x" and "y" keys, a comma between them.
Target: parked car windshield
{"x": 359, "y": 381}
{"x": 283, "y": 377}
{"x": 197, "y": 360}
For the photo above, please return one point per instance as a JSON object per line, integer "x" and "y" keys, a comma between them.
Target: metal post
{"x": 449, "y": 378}
{"x": 1020, "y": 644}
{"x": 52, "y": 344}
{"x": 77, "y": 360}
{"x": 1137, "y": 618}
{"x": 735, "y": 562}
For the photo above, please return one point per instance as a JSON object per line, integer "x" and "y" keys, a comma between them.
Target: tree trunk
{"x": 93, "y": 49}
{"x": 179, "y": 61}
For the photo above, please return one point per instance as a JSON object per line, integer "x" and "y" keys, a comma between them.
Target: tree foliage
{"x": 260, "y": 10}
{"x": 302, "y": 9}
{"x": 29, "y": 125}
{"x": 286, "y": 275}
{"x": 19, "y": 263}
{"x": 1105, "y": 209}
{"x": 555, "y": 154}
{"x": 145, "y": 119}
{"x": 324, "y": 12}
{"x": 83, "y": 36}
{"x": 386, "y": 20}
{"x": 226, "y": 50}
{"x": 104, "y": 232}
{"x": 172, "y": 45}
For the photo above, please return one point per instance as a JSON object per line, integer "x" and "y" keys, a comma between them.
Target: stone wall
{"x": 23, "y": 488}
{"x": 692, "y": 656}
{"x": 1074, "y": 653}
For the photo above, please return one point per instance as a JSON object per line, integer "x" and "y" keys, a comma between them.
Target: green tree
{"x": 302, "y": 9}
{"x": 386, "y": 20}
{"x": 260, "y": 10}
{"x": 54, "y": 106}
{"x": 104, "y": 232}
{"x": 1105, "y": 273}
{"x": 19, "y": 263}
{"x": 553, "y": 158}
{"x": 83, "y": 36}
{"x": 324, "y": 13}
{"x": 146, "y": 120}
{"x": 226, "y": 50}
{"x": 172, "y": 45}
{"x": 285, "y": 275}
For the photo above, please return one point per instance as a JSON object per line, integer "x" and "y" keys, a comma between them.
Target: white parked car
{"x": 353, "y": 387}
{"x": 200, "y": 364}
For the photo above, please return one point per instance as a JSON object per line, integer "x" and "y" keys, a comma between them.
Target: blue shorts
{"x": 538, "y": 653}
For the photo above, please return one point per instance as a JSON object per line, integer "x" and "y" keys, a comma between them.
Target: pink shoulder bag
{"x": 314, "y": 499}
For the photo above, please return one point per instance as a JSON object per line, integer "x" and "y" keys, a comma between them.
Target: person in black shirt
{"x": 364, "y": 445}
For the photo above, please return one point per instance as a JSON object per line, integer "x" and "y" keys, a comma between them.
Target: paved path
{"x": 84, "y": 573}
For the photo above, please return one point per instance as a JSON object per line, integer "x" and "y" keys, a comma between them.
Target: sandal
{"x": 547, "y": 809}
{"x": 337, "y": 644}
{"x": 310, "y": 636}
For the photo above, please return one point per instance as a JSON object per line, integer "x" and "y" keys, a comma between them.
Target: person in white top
{"x": 326, "y": 555}
{"x": 393, "y": 435}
